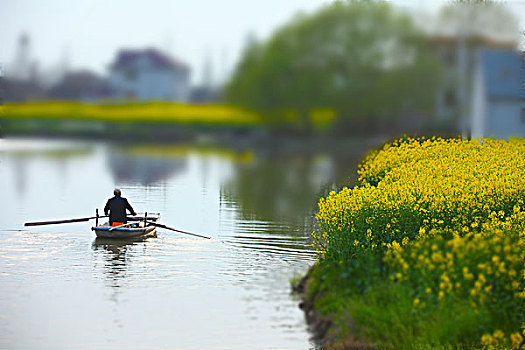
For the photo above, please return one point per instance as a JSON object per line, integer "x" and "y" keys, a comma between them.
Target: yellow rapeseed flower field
{"x": 167, "y": 112}
{"x": 411, "y": 187}
{"x": 444, "y": 218}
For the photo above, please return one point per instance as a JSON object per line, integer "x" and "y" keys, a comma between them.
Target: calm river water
{"x": 60, "y": 288}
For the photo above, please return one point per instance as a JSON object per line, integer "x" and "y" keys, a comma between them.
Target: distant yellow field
{"x": 164, "y": 112}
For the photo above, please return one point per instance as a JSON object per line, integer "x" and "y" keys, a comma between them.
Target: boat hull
{"x": 124, "y": 232}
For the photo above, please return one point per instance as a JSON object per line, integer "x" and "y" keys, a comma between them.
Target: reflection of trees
{"x": 143, "y": 169}
{"x": 274, "y": 188}
{"x": 285, "y": 186}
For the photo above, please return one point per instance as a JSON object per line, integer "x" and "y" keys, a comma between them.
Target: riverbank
{"x": 323, "y": 326}
{"x": 426, "y": 252}
{"x": 124, "y": 119}
{"x": 171, "y": 121}
{"x": 167, "y": 123}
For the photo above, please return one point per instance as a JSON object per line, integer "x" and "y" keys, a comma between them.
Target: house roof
{"x": 504, "y": 73}
{"x": 126, "y": 57}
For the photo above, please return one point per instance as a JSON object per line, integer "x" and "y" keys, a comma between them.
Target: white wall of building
{"x": 143, "y": 80}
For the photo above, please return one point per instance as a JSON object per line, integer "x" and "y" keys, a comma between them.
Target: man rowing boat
{"x": 116, "y": 209}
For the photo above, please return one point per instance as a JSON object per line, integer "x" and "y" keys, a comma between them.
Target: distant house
{"x": 498, "y": 95}
{"x": 205, "y": 94}
{"x": 458, "y": 58}
{"x": 81, "y": 85}
{"x": 12, "y": 90}
{"x": 149, "y": 75}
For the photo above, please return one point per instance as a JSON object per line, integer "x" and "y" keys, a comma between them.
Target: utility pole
{"x": 22, "y": 65}
{"x": 462, "y": 82}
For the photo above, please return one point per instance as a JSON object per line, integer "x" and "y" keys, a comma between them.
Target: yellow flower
{"x": 486, "y": 340}
{"x": 498, "y": 334}
{"x": 515, "y": 339}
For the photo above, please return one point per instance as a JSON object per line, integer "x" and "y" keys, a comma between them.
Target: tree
{"x": 484, "y": 20}
{"x": 362, "y": 58}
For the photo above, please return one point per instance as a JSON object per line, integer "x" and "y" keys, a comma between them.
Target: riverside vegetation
{"x": 428, "y": 251}
{"x": 125, "y": 111}
{"x": 124, "y": 117}
{"x": 135, "y": 118}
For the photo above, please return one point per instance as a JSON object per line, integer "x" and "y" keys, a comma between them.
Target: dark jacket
{"x": 116, "y": 207}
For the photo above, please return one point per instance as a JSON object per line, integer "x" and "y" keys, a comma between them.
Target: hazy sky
{"x": 87, "y": 33}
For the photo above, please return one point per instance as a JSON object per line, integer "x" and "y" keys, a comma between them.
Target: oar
{"x": 38, "y": 223}
{"x": 114, "y": 227}
{"x": 174, "y": 229}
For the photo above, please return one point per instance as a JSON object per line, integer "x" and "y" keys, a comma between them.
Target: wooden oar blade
{"x": 67, "y": 221}
{"x": 174, "y": 229}
{"x": 40, "y": 223}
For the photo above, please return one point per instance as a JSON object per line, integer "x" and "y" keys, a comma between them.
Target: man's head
{"x": 117, "y": 192}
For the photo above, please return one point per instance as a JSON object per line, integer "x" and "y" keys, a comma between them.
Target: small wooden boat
{"x": 138, "y": 227}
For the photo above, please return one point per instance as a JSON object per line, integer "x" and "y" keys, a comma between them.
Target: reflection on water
{"x": 24, "y": 152}
{"x": 114, "y": 259}
{"x": 116, "y": 254}
{"x": 144, "y": 170}
{"x": 280, "y": 190}
{"x": 60, "y": 286}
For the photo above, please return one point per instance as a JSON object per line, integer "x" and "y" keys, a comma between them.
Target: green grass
{"x": 384, "y": 317}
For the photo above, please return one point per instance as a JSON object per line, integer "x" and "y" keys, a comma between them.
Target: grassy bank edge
{"x": 339, "y": 320}
{"x": 376, "y": 316}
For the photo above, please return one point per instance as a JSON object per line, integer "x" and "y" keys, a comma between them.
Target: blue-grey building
{"x": 149, "y": 75}
{"x": 498, "y": 95}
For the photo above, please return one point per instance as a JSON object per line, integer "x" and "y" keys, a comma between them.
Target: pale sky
{"x": 88, "y": 33}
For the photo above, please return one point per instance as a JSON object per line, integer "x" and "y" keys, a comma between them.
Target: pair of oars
{"x": 54, "y": 222}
